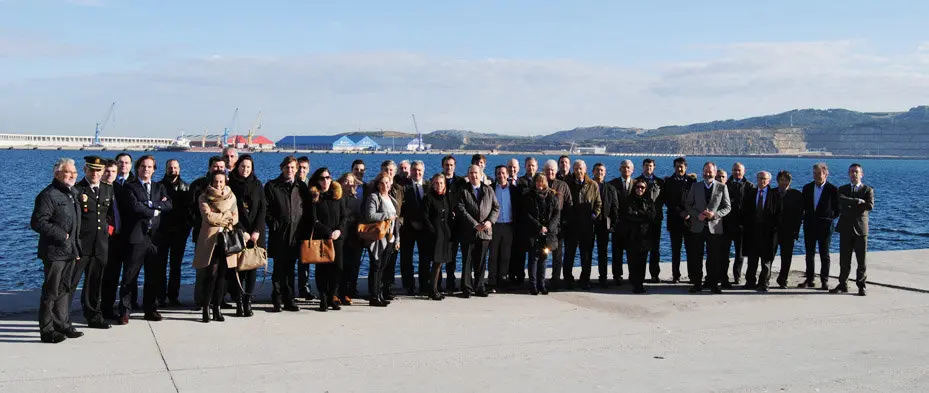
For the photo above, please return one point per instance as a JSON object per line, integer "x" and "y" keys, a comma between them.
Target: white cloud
{"x": 341, "y": 92}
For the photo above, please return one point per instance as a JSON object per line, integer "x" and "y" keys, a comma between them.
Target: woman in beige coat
{"x": 219, "y": 211}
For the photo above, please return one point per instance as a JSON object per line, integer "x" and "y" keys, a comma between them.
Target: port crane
{"x": 225, "y": 140}
{"x": 254, "y": 130}
{"x": 419, "y": 135}
{"x": 101, "y": 125}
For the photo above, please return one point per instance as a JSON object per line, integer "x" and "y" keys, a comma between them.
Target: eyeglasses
{"x": 326, "y": 177}
{"x": 641, "y": 188}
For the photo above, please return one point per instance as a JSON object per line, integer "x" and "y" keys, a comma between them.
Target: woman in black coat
{"x": 438, "y": 214}
{"x": 353, "y": 246}
{"x": 250, "y": 199}
{"x": 328, "y": 219}
{"x": 641, "y": 216}
{"x": 542, "y": 218}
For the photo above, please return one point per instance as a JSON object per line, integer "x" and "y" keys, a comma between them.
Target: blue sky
{"x": 518, "y": 67}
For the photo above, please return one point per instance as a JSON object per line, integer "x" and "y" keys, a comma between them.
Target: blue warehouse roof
{"x": 308, "y": 140}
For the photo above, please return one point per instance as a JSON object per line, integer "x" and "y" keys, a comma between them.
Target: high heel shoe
{"x": 206, "y": 315}
{"x": 217, "y": 315}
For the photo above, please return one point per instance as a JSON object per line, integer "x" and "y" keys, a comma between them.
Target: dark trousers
{"x": 91, "y": 267}
{"x": 734, "y": 240}
{"x": 819, "y": 234}
{"x": 716, "y": 258}
{"x": 848, "y": 243}
{"x": 537, "y": 268}
{"x": 572, "y": 242}
{"x": 303, "y": 280}
{"x": 214, "y": 279}
{"x": 619, "y": 245}
{"x": 329, "y": 274}
{"x": 375, "y": 272}
{"x": 282, "y": 280}
{"x": 114, "y": 266}
{"x": 473, "y": 265}
{"x": 557, "y": 261}
{"x": 144, "y": 254}
{"x": 785, "y": 242}
{"x": 389, "y": 268}
{"x": 677, "y": 241}
{"x": 517, "y": 270}
{"x": 760, "y": 241}
{"x": 602, "y": 240}
{"x": 501, "y": 250}
{"x": 55, "y": 304}
{"x": 409, "y": 238}
{"x": 451, "y": 265}
{"x": 171, "y": 257}
{"x": 245, "y": 280}
{"x": 636, "y": 257}
{"x": 351, "y": 265}
{"x": 654, "y": 254}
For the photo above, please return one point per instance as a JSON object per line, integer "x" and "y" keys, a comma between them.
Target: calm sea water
{"x": 896, "y": 223}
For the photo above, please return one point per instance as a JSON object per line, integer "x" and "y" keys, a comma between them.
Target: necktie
{"x": 419, "y": 193}
{"x": 760, "y": 201}
{"x": 477, "y": 195}
{"x": 148, "y": 190}
{"x": 94, "y": 189}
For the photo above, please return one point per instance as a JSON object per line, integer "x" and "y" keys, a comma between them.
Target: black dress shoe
{"x": 750, "y": 285}
{"x": 782, "y": 284}
{"x": 639, "y": 289}
{"x": 585, "y": 286}
{"x": 737, "y": 281}
{"x": 291, "y": 308}
{"x": 862, "y": 291}
{"x": 655, "y": 280}
{"x": 676, "y": 280}
{"x": 52, "y": 338}
{"x": 806, "y": 284}
{"x": 275, "y": 308}
{"x": 466, "y": 294}
{"x": 377, "y": 302}
{"x": 762, "y": 288}
{"x": 544, "y": 291}
{"x": 569, "y": 284}
{"x": 603, "y": 283}
{"x": 175, "y": 303}
{"x": 482, "y": 293}
{"x": 72, "y": 333}
{"x": 716, "y": 290}
{"x": 98, "y": 323}
{"x": 619, "y": 281}
{"x": 695, "y": 289}
{"x": 839, "y": 289}
{"x": 411, "y": 291}
{"x": 153, "y": 316}
{"x": 823, "y": 287}
{"x": 218, "y": 314}
{"x": 728, "y": 285}
{"x": 389, "y": 296}
{"x": 533, "y": 292}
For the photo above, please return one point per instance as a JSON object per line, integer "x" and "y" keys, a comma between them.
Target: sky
{"x": 512, "y": 67}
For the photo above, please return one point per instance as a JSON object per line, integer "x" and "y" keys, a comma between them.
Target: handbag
{"x": 317, "y": 251}
{"x": 233, "y": 240}
{"x": 252, "y": 258}
{"x": 373, "y": 231}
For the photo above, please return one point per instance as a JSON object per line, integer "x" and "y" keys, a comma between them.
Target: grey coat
{"x": 374, "y": 212}
{"x": 695, "y": 202}
{"x": 471, "y": 212}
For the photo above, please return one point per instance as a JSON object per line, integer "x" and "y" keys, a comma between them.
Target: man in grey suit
{"x": 855, "y": 201}
{"x": 707, "y": 203}
{"x": 477, "y": 212}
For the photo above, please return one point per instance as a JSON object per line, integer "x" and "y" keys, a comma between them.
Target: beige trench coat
{"x": 218, "y": 212}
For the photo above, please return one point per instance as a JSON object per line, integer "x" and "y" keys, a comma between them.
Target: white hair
{"x": 821, "y": 166}
{"x": 405, "y": 162}
{"x": 580, "y": 162}
{"x": 627, "y": 163}
{"x": 551, "y": 164}
{"x": 763, "y": 173}
{"x": 419, "y": 163}
{"x": 61, "y": 163}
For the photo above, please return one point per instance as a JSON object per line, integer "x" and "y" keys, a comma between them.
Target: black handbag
{"x": 233, "y": 240}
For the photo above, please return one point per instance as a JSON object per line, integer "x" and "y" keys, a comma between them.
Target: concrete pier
{"x": 795, "y": 340}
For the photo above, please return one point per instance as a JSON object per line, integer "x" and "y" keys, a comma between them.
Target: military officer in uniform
{"x": 96, "y": 202}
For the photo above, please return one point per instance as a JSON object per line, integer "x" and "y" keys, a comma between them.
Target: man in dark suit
{"x": 623, "y": 186}
{"x": 452, "y": 183}
{"x": 762, "y": 216}
{"x": 581, "y": 218}
{"x": 477, "y": 212}
{"x": 147, "y": 201}
{"x": 508, "y": 196}
{"x": 56, "y": 218}
{"x": 788, "y": 230}
{"x": 654, "y": 192}
{"x": 118, "y": 242}
{"x": 96, "y": 201}
{"x": 707, "y": 204}
{"x": 609, "y": 215}
{"x": 175, "y": 229}
{"x": 738, "y": 187}
{"x": 521, "y": 244}
{"x": 856, "y": 200}
{"x": 820, "y": 208}
{"x": 414, "y": 230}
{"x": 675, "y": 189}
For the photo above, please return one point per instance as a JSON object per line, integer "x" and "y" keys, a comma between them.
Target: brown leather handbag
{"x": 374, "y": 231}
{"x": 317, "y": 251}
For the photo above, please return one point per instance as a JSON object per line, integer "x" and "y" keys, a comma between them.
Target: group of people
{"x": 115, "y": 221}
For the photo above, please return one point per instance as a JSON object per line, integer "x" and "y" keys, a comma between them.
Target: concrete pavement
{"x": 668, "y": 340}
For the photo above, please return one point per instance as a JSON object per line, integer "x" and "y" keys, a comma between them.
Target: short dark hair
{"x": 680, "y": 160}
{"x": 710, "y": 163}
{"x": 531, "y": 158}
{"x": 213, "y": 175}
{"x": 170, "y": 160}
{"x": 447, "y": 158}
{"x": 499, "y": 167}
{"x": 303, "y": 159}
{"x": 477, "y": 158}
{"x": 287, "y": 160}
{"x": 121, "y": 155}
{"x": 138, "y": 163}
{"x": 109, "y": 163}
{"x": 357, "y": 162}
{"x": 599, "y": 164}
{"x": 647, "y": 161}
{"x": 215, "y": 159}
{"x": 854, "y": 165}
{"x": 559, "y": 158}
{"x": 785, "y": 175}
